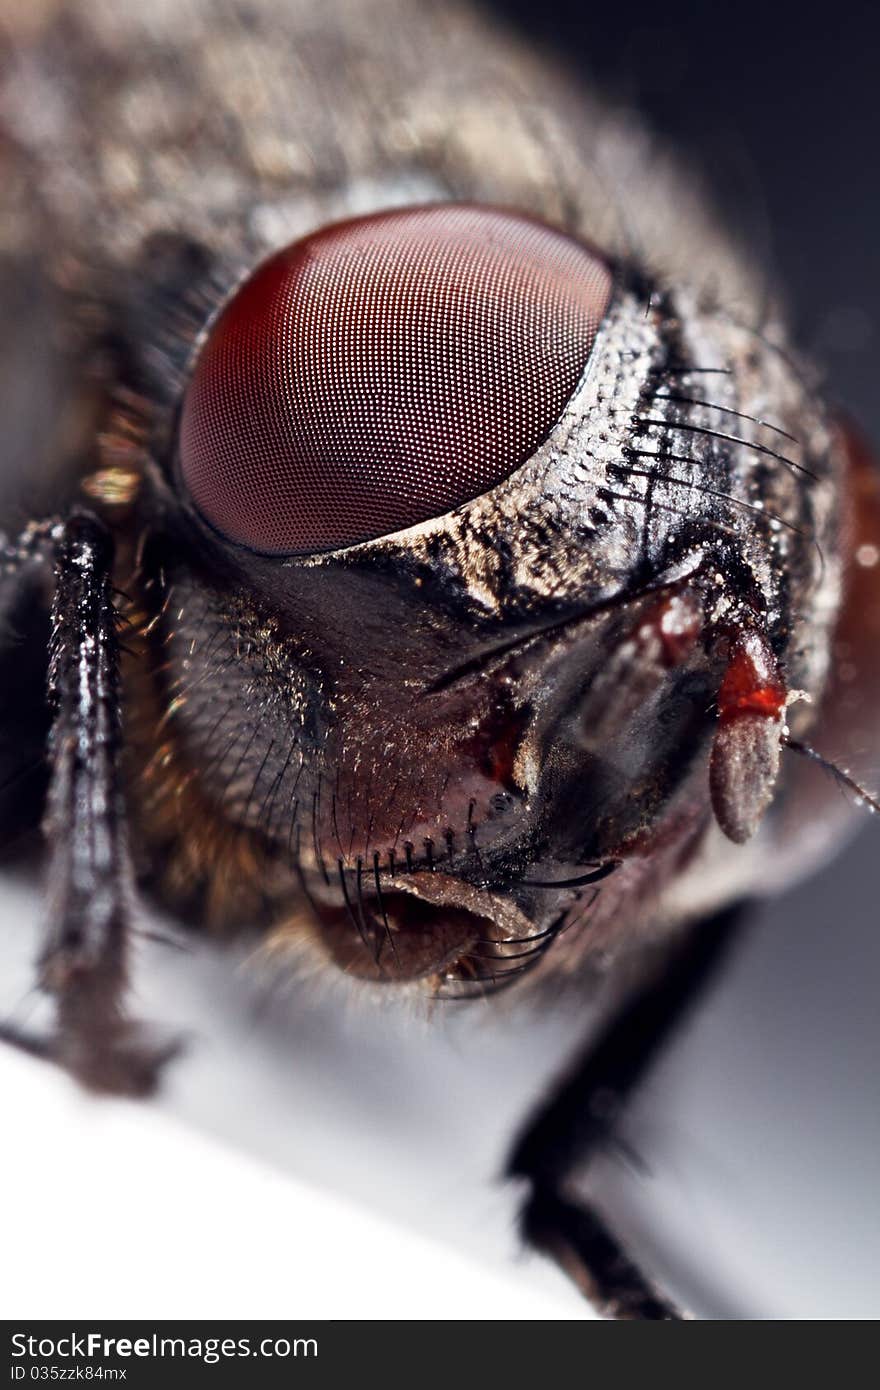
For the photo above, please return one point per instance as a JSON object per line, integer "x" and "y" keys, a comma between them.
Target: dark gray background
{"x": 776, "y": 105}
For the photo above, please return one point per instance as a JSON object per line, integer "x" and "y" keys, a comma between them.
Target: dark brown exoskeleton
{"x": 442, "y": 545}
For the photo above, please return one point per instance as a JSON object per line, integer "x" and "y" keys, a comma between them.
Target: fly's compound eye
{"x": 383, "y": 371}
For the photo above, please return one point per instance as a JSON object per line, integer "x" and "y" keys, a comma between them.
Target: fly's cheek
{"x": 744, "y": 764}
{"x": 440, "y": 785}
{"x": 383, "y": 371}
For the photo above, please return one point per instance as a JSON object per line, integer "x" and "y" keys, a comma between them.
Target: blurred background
{"x": 758, "y": 1131}
{"x": 777, "y": 107}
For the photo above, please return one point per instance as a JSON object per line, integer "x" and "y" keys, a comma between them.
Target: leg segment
{"x": 555, "y": 1151}
{"x": 83, "y": 961}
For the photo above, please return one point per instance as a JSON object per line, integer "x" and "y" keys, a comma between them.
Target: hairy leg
{"x": 555, "y": 1151}
{"x": 83, "y": 962}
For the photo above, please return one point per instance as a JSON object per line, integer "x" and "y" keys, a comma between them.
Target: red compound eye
{"x": 383, "y": 371}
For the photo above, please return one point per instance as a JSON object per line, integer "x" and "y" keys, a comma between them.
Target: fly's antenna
{"x": 863, "y": 797}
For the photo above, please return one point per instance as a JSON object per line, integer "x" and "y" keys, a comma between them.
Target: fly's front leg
{"x": 555, "y": 1152}
{"x": 83, "y": 963}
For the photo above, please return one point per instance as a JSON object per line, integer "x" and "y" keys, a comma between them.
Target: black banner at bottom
{"x": 136, "y": 1353}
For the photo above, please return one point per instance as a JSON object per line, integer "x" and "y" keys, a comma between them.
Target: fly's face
{"x": 461, "y": 530}
{"x": 478, "y": 558}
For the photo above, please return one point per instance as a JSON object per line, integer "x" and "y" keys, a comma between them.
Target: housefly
{"x": 438, "y": 554}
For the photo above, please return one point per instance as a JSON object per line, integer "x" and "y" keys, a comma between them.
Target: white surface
{"x": 122, "y": 1213}
{"x": 220, "y": 1198}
